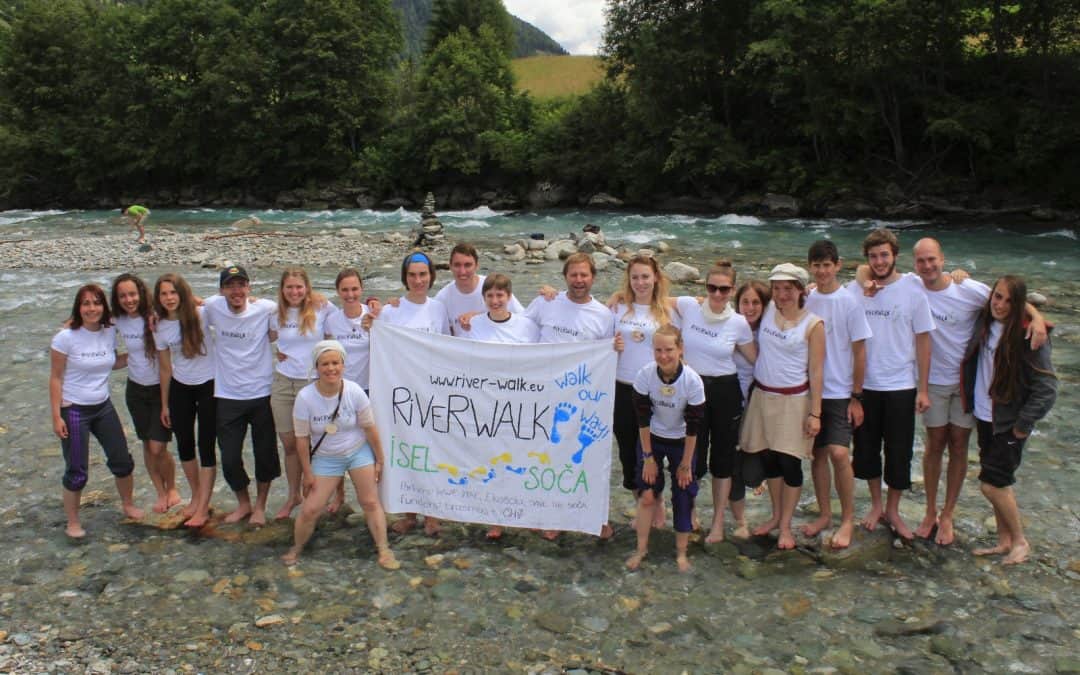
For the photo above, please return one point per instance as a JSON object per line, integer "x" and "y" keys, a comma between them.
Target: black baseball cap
{"x": 233, "y": 272}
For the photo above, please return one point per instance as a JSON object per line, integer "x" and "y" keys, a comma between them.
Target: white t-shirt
{"x": 429, "y": 317}
{"x": 783, "y": 358}
{"x": 297, "y": 346}
{"x": 563, "y": 320}
{"x": 518, "y": 328}
{"x": 184, "y": 370}
{"x": 984, "y": 375}
{"x": 709, "y": 345}
{"x": 896, "y": 314}
{"x": 669, "y": 401}
{"x": 637, "y": 330}
{"x": 955, "y": 309}
{"x": 91, "y": 356}
{"x": 845, "y": 323}
{"x": 243, "y": 361}
{"x": 142, "y": 367}
{"x": 745, "y": 370}
{"x": 458, "y": 303}
{"x": 314, "y": 411}
{"x": 357, "y": 344}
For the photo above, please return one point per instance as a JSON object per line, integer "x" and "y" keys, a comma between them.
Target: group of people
{"x": 741, "y": 385}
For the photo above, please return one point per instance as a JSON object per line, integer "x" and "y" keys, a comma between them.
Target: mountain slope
{"x": 415, "y": 15}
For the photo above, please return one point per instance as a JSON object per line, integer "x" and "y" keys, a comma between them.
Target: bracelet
{"x": 813, "y": 415}
{"x": 857, "y": 395}
{"x": 648, "y": 457}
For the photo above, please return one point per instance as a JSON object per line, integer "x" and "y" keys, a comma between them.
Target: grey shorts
{"x": 947, "y": 407}
{"x": 282, "y": 397}
{"x": 835, "y": 427}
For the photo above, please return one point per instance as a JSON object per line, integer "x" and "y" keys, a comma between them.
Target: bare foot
{"x": 786, "y": 541}
{"x": 188, "y": 510}
{"x": 945, "y": 534}
{"x": 387, "y": 561}
{"x": 634, "y": 561}
{"x": 1018, "y": 554}
{"x": 716, "y": 534}
{"x": 842, "y": 537}
{"x": 133, "y": 512}
{"x": 198, "y": 520}
{"x": 258, "y": 518}
{"x": 927, "y": 525}
{"x": 765, "y": 528}
{"x": 291, "y": 557}
{"x": 238, "y": 515}
{"x": 495, "y": 533}
{"x": 606, "y": 532}
{"x": 74, "y": 531}
{"x": 404, "y": 525}
{"x": 162, "y": 504}
{"x": 897, "y": 524}
{"x": 759, "y": 490}
{"x": 683, "y": 562}
{"x": 335, "y": 504}
{"x": 173, "y": 499}
{"x": 286, "y": 509}
{"x": 741, "y": 530}
{"x": 432, "y": 526}
{"x": 1001, "y": 548}
{"x": 550, "y": 535}
{"x": 814, "y": 527}
{"x": 873, "y": 518}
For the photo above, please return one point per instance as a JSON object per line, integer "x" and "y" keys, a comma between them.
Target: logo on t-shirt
{"x": 233, "y": 334}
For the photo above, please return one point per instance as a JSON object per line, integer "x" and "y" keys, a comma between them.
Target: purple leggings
{"x": 682, "y": 499}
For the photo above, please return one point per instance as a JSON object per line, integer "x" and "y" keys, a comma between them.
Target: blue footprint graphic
{"x": 563, "y": 412}
{"x": 592, "y": 430}
{"x": 490, "y": 477}
{"x": 519, "y": 470}
{"x": 464, "y": 480}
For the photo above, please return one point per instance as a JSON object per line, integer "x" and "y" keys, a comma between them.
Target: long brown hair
{"x": 658, "y": 302}
{"x": 99, "y": 293}
{"x": 1011, "y": 351}
{"x": 306, "y": 311}
{"x": 754, "y": 286}
{"x": 143, "y": 310}
{"x": 191, "y": 331}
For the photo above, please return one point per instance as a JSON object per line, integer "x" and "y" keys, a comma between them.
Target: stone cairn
{"x": 430, "y": 231}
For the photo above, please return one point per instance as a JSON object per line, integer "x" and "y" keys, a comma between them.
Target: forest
{"x": 709, "y": 100}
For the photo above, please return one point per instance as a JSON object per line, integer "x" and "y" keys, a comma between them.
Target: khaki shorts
{"x": 946, "y": 407}
{"x": 282, "y": 397}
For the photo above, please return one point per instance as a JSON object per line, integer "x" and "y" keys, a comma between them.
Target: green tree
{"x": 449, "y": 16}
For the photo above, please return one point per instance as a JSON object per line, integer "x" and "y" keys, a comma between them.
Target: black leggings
{"x": 719, "y": 433}
{"x": 626, "y": 433}
{"x": 782, "y": 465}
{"x": 188, "y": 402}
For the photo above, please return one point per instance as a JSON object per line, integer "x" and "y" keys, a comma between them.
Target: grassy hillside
{"x": 553, "y": 76}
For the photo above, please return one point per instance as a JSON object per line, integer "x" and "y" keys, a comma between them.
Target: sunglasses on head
{"x": 713, "y": 288}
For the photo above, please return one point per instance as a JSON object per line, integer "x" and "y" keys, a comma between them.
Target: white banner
{"x": 502, "y": 434}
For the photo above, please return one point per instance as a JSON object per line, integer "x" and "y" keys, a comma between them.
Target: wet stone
{"x": 556, "y": 622}
{"x": 595, "y": 624}
{"x": 894, "y": 628}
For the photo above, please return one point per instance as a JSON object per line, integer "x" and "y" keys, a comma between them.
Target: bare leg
{"x": 405, "y": 524}
{"x": 643, "y": 524}
{"x": 367, "y": 494}
{"x": 338, "y": 499}
{"x": 776, "y": 487}
{"x": 819, "y": 469}
{"x": 201, "y": 499}
{"x": 845, "y": 488}
{"x": 932, "y": 457}
{"x": 243, "y": 507}
{"x": 877, "y": 511}
{"x": 738, "y": 511}
{"x": 954, "y": 482}
{"x": 309, "y": 514}
{"x": 1004, "y": 501}
{"x": 682, "y": 541}
{"x": 292, "y": 475}
{"x": 126, "y": 487}
{"x": 789, "y": 500}
{"x": 262, "y": 492}
{"x": 191, "y": 472}
{"x": 659, "y": 515}
{"x": 1004, "y": 541}
{"x": 721, "y": 488}
{"x": 150, "y": 460}
{"x": 167, "y": 469}
{"x": 74, "y": 529}
{"x": 892, "y": 514}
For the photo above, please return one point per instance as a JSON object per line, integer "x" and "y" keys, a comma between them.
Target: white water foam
{"x": 23, "y": 215}
{"x": 468, "y": 223}
{"x": 1066, "y": 233}
{"x": 478, "y": 212}
{"x": 645, "y": 236}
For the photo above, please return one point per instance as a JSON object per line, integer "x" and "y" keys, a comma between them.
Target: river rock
{"x": 601, "y": 260}
{"x": 556, "y": 622}
{"x": 192, "y": 576}
{"x": 350, "y": 232}
{"x": 514, "y": 252}
{"x": 545, "y": 195}
{"x": 681, "y": 273}
{"x": 896, "y": 628}
{"x": 586, "y": 246}
{"x": 603, "y": 199}
{"x": 866, "y": 547}
{"x": 560, "y": 249}
{"x": 269, "y": 620}
{"x": 780, "y": 205}
{"x": 663, "y": 247}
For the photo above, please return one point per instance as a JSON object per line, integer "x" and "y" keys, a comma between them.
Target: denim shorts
{"x": 336, "y": 466}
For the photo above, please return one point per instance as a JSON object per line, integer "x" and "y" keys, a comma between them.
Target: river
{"x": 136, "y": 598}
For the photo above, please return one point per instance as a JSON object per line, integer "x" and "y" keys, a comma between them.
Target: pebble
{"x": 269, "y": 620}
{"x": 192, "y": 576}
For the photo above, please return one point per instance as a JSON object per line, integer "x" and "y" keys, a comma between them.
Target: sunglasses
{"x": 713, "y": 288}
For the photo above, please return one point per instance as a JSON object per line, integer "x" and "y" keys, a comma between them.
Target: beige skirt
{"x": 775, "y": 422}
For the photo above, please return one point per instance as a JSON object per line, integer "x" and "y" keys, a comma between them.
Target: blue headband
{"x": 418, "y": 257}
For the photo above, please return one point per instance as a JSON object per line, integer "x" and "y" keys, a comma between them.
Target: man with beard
{"x": 895, "y": 386}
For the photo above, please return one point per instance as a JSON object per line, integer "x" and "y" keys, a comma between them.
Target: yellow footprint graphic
{"x": 541, "y": 457}
{"x": 504, "y": 458}
{"x": 452, "y": 470}
{"x": 478, "y": 471}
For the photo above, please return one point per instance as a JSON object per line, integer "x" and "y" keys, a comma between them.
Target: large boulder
{"x": 604, "y": 200}
{"x": 560, "y": 249}
{"x": 681, "y": 273}
{"x": 780, "y": 205}
{"x": 545, "y": 195}
{"x": 514, "y": 252}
